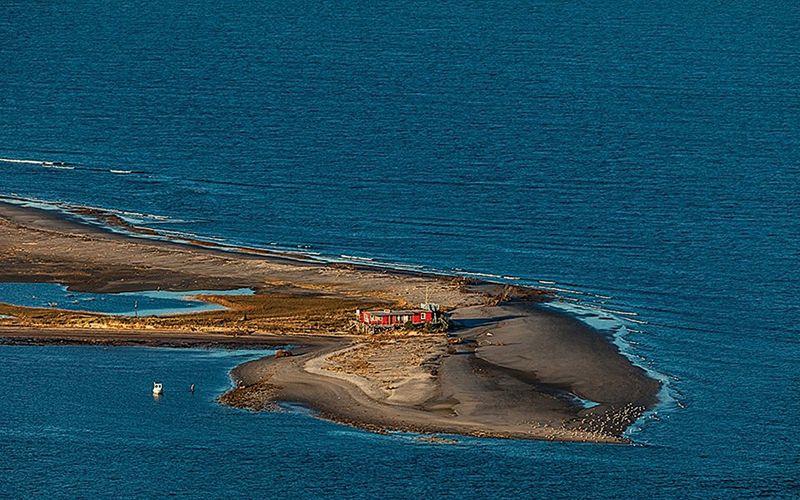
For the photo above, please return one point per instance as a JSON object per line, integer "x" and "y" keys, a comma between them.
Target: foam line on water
{"x": 140, "y": 219}
{"x": 137, "y": 219}
{"x": 70, "y": 208}
{"x": 21, "y": 161}
{"x": 62, "y": 165}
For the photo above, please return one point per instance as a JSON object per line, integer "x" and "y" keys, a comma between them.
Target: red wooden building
{"x": 387, "y": 318}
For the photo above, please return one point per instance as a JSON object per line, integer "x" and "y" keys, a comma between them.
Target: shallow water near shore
{"x": 642, "y": 159}
{"x": 144, "y": 303}
{"x": 90, "y": 420}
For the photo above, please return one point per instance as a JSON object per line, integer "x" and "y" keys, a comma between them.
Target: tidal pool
{"x": 146, "y": 303}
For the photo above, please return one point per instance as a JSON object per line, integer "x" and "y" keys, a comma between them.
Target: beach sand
{"x": 507, "y": 368}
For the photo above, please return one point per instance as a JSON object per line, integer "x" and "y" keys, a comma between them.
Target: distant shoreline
{"x": 112, "y": 222}
{"x": 508, "y": 369}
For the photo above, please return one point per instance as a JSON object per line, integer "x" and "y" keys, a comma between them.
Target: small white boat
{"x": 158, "y": 389}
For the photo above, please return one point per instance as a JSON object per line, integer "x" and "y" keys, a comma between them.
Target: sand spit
{"x": 507, "y": 368}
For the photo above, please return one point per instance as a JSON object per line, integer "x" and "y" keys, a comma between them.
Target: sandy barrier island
{"x": 507, "y": 368}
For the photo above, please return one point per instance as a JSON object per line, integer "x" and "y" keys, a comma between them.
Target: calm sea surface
{"x": 643, "y": 156}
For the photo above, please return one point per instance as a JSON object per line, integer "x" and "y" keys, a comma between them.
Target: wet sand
{"x": 508, "y": 368}
{"x": 518, "y": 383}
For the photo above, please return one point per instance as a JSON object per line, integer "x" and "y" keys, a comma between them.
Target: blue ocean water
{"x": 644, "y": 157}
{"x": 108, "y": 436}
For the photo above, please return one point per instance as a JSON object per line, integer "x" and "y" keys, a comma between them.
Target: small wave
{"x": 482, "y": 275}
{"x": 62, "y": 165}
{"x": 638, "y": 321}
{"x": 354, "y": 257}
{"x": 582, "y": 293}
{"x": 153, "y": 217}
{"x": 183, "y": 234}
{"x": 74, "y": 210}
{"x": 27, "y": 162}
{"x": 563, "y": 290}
{"x": 370, "y": 262}
{"x": 624, "y": 313}
{"x": 57, "y": 165}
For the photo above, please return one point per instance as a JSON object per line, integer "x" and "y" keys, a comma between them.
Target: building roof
{"x": 395, "y": 312}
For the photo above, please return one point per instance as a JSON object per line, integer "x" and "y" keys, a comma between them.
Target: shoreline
{"x": 508, "y": 369}
{"x": 112, "y": 222}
